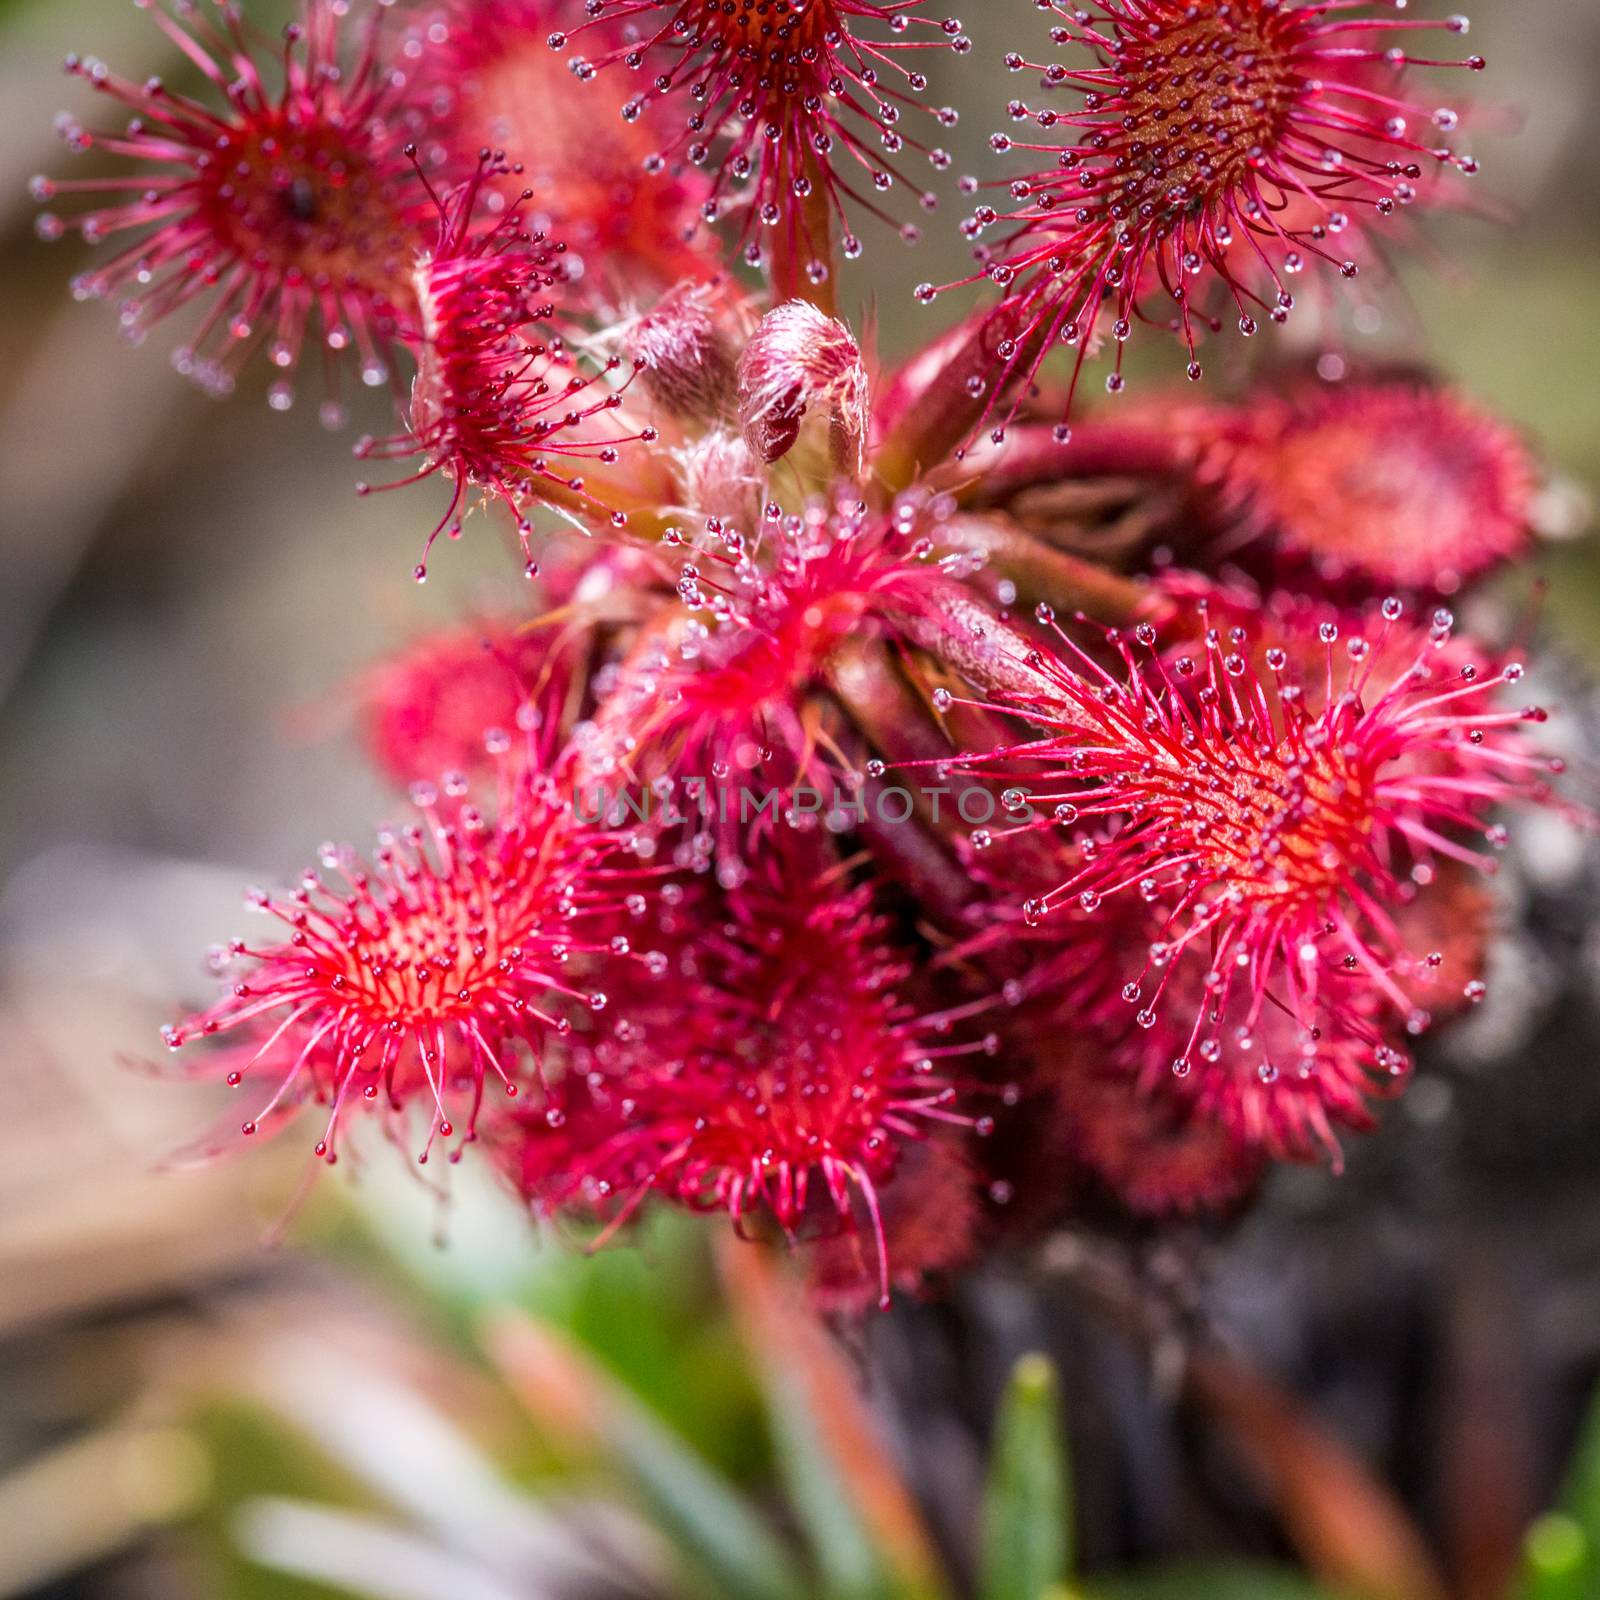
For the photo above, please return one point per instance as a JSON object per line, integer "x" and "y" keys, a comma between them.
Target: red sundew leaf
{"x": 428, "y": 708}
{"x": 778, "y": 1072}
{"x": 1210, "y": 152}
{"x": 800, "y": 110}
{"x": 486, "y": 73}
{"x": 283, "y": 209}
{"x": 1243, "y": 828}
{"x": 435, "y": 970}
{"x": 1390, "y": 486}
{"x": 499, "y": 404}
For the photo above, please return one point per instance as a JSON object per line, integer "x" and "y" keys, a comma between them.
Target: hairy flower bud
{"x": 688, "y": 354}
{"x": 797, "y": 361}
{"x": 718, "y": 479}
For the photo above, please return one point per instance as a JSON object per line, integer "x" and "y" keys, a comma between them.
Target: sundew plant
{"x": 839, "y": 838}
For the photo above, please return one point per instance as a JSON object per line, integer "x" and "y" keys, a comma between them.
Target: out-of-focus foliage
{"x": 1027, "y": 1533}
{"x": 1563, "y": 1547}
{"x": 526, "y": 1446}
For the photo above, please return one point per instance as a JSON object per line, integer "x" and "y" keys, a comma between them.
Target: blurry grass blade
{"x": 1580, "y": 1492}
{"x": 385, "y": 1430}
{"x": 87, "y": 1500}
{"x": 1027, "y": 1508}
{"x": 1561, "y": 1554}
{"x": 1348, "y": 1528}
{"x": 641, "y": 1311}
{"x": 862, "y": 1523}
{"x": 701, "y": 1514}
{"x": 364, "y": 1554}
{"x": 1559, "y": 1561}
{"x": 1223, "y": 1581}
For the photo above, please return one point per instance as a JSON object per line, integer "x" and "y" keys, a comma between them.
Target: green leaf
{"x": 1561, "y": 1554}
{"x": 847, "y": 1562}
{"x": 1558, "y": 1560}
{"x": 1206, "y": 1581}
{"x": 700, "y": 1512}
{"x": 865, "y": 1534}
{"x": 1027, "y": 1508}
{"x": 733, "y": 1551}
{"x": 1580, "y": 1493}
{"x": 254, "y": 1454}
{"x": 639, "y": 1305}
